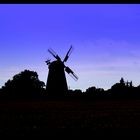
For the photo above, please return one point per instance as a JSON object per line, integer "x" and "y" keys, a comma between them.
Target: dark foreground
{"x": 74, "y": 117}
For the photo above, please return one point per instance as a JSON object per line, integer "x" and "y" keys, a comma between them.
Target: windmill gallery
{"x": 56, "y": 82}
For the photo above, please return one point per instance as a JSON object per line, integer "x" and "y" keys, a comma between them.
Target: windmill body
{"x": 56, "y": 83}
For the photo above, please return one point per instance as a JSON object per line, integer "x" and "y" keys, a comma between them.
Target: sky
{"x": 105, "y": 38}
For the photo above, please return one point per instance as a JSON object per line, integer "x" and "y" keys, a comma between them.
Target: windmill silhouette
{"x": 56, "y": 82}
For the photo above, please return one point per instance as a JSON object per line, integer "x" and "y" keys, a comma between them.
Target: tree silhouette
{"x": 122, "y": 82}
{"x": 24, "y": 84}
{"x": 94, "y": 92}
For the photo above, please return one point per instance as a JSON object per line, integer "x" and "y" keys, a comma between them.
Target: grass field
{"x": 19, "y": 117}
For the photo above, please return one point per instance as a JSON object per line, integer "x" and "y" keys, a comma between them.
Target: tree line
{"x": 26, "y": 85}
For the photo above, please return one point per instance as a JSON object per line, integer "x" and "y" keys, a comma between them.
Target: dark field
{"x": 47, "y": 117}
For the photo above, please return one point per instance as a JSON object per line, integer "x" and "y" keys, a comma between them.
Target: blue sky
{"x": 105, "y": 37}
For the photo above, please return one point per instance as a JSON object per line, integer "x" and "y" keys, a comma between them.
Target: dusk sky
{"x": 105, "y": 38}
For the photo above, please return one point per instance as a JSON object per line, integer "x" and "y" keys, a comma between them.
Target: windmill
{"x": 56, "y": 82}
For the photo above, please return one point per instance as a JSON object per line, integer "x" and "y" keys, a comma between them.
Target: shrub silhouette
{"x": 94, "y": 92}
{"x": 24, "y": 84}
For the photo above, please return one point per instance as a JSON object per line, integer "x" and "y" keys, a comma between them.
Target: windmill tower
{"x": 56, "y": 83}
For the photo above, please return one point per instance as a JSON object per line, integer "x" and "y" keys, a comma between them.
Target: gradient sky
{"x": 105, "y": 37}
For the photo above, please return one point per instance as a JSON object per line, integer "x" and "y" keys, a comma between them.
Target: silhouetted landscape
{"x": 27, "y": 108}
{"x": 27, "y": 86}
{"x": 55, "y": 92}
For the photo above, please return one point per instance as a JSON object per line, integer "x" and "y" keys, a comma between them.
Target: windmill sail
{"x": 74, "y": 76}
{"x": 54, "y": 54}
{"x": 68, "y": 54}
{"x": 71, "y": 73}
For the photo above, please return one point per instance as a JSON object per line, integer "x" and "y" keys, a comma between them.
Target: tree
{"x": 24, "y": 84}
{"x": 91, "y": 89}
{"x": 131, "y": 85}
{"x": 122, "y": 82}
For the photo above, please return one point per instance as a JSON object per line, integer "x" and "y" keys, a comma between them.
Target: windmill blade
{"x": 71, "y": 73}
{"x": 74, "y": 76}
{"x": 51, "y": 51}
{"x": 68, "y": 54}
